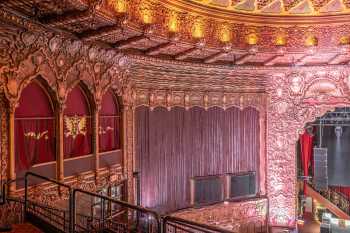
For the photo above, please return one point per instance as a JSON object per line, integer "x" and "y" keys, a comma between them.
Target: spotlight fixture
{"x": 338, "y": 131}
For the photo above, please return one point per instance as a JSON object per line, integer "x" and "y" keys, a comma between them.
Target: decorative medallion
{"x": 75, "y": 126}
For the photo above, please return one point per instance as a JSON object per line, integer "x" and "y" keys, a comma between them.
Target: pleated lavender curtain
{"x": 173, "y": 146}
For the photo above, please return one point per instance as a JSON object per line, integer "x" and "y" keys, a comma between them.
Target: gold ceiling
{"x": 272, "y": 7}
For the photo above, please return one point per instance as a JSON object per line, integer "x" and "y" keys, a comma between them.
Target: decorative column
{"x": 62, "y": 95}
{"x": 128, "y": 149}
{"x": 11, "y": 159}
{"x": 262, "y": 152}
{"x": 60, "y": 143}
{"x": 96, "y": 140}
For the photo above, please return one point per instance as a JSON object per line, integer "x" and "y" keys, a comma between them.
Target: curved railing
{"x": 126, "y": 218}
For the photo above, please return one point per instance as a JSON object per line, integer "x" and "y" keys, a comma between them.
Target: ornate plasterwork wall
{"x": 4, "y": 137}
{"x": 233, "y": 216}
{"x": 296, "y": 96}
{"x": 62, "y": 63}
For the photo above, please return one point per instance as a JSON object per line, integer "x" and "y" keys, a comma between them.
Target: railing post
{"x": 103, "y": 212}
{"x": 164, "y": 224}
{"x": 72, "y": 209}
{"x": 25, "y": 194}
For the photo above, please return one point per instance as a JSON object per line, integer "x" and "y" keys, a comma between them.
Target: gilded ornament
{"x": 198, "y": 29}
{"x": 173, "y": 23}
{"x": 311, "y": 41}
{"x": 12, "y": 86}
{"x": 252, "y": 39}
{"x": 37, "y": 136}
{"x": 75, "y": 126}
{"x": 102, "y": 131}
{"x": 344, "y": 40}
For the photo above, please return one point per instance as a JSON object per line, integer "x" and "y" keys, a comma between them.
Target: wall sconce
{"x": 119, "y": 5}
{"x": 344, "y": 40}
{"x": 146, "y": 14}
{"x": 280, "y": 40}
{"x": 173, "y": 26}
{"x": 198, "y": 29}
{"x": 311, "y": 41}
{"x": 225, "y": 34}
{"x": 252, "y": 39}
{"x": 344, "y": 43}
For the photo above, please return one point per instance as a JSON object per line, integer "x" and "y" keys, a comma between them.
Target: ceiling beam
{"x": 124, "y": 44}
{"x": 271, "y": 61}
{"x": 100, "y": 32}
{"x": 65, "y": 18}
{"x": 335, "y": 59}
{"x": 157, "y": 49}
{"x": 244, "y": 58}
{"x": 213, "y": 58}
{"x": 302, "y": 60}
{"x": 185, "y": 54}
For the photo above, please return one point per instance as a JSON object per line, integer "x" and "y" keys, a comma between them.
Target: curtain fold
{"x": 306, "y": 146}
{"x": 173, "y": 146}
{"x": 77, "y": 137}
{"x": 109, "y": 131}
{"x": 35, "y": 142}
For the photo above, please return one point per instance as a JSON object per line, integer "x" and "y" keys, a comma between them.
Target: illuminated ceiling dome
{"x": 233, "y": 32}
{"x": 279, "y": 7}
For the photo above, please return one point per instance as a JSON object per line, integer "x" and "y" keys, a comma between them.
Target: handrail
{"x": 51, "y": 181}
{"x": 113, "y": 200}
{"x": 189, "y": 223}
{"x": 4, "y": 190}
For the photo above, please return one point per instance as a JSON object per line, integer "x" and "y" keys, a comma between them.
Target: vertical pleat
{"x": 173, "y": 146}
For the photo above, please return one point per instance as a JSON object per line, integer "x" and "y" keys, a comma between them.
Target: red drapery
{"x": 77, "y": 120}
{"x": 80, "y": 144}
{"x": 173, "y": 146}
{"x": 35, "y": 140}
{"x": 306, "y": 146}
{"x": 109, "y": 133}
{"x": 109, "y": 124}
{"x": 343, "y": 190}
{"x": 34, "y": 128}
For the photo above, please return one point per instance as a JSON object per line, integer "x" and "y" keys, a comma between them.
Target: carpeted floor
{"x": 25, "y": 228}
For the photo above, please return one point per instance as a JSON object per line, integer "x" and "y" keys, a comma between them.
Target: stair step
{"x": 25, "y": 228}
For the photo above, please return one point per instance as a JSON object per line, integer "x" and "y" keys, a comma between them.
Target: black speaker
{"x": 242, "y": 185}
{"x": 320, "y": 178}
{"x": 208, "y": 190}
{"x": 325, "y": 228}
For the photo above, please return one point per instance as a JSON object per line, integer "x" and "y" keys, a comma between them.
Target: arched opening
{"x": 323, "y": 165}
{"x": 35, "y": 138}
{"x": 109, "y": 123}
{"x": 77, "y": 123}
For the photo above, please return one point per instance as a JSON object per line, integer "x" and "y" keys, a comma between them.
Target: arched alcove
{"x": 34, "y": 127}
{"x": 77, "y": 123}
{"x": 109, "y": 123}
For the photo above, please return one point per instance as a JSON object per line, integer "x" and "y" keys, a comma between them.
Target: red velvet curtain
{"x": 306, "y": 145}
{"x": 34, "y": 127}
{"x": 343, "y": 190}
{"x": 80, "y": 144}
{"x": 35, "y": 142}
{"x": 173, "y": 146}
{"x": 109, "y": 125}
{"x": 77, "y": 120}
{"x": 109, "y": 132}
